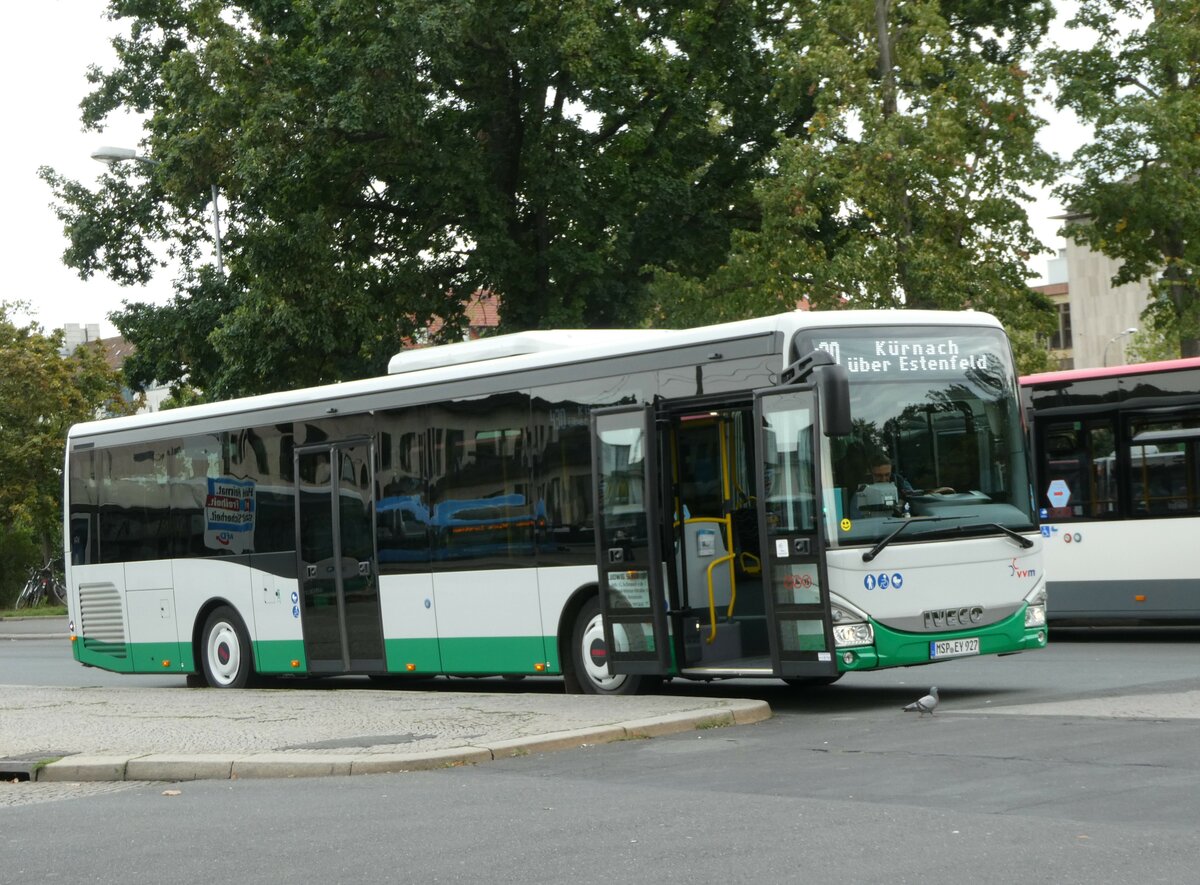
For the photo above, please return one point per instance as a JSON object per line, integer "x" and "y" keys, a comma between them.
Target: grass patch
{"x": 42, "y": 611}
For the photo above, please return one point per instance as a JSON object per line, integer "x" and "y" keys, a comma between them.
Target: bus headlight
{"x": 1035, "y": 616}
{"x": 853, "y": 634}
{"x": 1035, "y": 612}
{"x": 850, "y": 627}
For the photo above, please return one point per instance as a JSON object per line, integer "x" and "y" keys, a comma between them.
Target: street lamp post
{"x": 110, "y": 155}
{"x": 1130, "y": 331}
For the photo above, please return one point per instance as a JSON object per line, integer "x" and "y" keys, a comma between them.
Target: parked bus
{"x": 611, "y": 507}
{"x": 1118, "y": 484}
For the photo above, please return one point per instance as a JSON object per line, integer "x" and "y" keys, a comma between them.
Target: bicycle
{"x": 42, "y": 586}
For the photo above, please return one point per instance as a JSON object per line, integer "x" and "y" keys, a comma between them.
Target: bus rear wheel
{"x": 225, "y": 650}
{"x": 589, "y": 654}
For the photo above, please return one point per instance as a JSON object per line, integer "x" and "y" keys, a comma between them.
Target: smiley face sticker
{"x": 846, "y": 525}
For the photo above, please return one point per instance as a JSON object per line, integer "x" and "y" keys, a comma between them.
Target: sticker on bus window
{"x": 229, "y": 514}
{"x": 1059, "y": 493}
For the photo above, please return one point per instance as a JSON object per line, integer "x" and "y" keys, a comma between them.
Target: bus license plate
{"x": 954, "y": 648}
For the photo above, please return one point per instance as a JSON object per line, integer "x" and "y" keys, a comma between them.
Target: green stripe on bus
{"x": 157, "y": 657}
{"x": 115, "y": 656}
{"x": 897, "y": 649}
{"x": 493, "y": 654}
{"x": 422, "y": 654}
{"x": 276, "y": 656}
{"x": 133, "y": 657}
{"x": 470, "y": 654}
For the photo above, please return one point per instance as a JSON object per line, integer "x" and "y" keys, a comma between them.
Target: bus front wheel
{"x": 589, "y": 653}
{"x": 225, "y": 650}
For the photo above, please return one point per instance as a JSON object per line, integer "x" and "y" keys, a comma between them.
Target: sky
{"x": 45, "y": 49}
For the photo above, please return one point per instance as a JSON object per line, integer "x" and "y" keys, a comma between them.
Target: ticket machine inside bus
{"x": 717, "y": 562}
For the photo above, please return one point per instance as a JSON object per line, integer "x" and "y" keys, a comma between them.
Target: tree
{"x": 382, "y": 160}
{"x": 1135, "y": 190}
{"x": 907, "y": 188}
{"x": 41, "y": 395}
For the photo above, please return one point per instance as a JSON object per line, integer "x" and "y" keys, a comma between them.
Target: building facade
{"x": 1096, "y": 319}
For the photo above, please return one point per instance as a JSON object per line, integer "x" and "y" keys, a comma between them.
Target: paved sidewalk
{"x": 97, "y": 734}
{"x": 87, "y": 734}
{"x": 131, "y": 733}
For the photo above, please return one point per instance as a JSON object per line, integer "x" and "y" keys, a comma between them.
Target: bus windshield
{"x": 936, "y": 433}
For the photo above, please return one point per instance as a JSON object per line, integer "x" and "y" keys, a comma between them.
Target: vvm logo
{"x": 1017, "y": 572}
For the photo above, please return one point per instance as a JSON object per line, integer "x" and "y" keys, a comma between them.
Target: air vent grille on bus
{"x": 102, "y": 619}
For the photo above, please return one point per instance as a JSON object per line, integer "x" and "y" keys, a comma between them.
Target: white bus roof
{"x": 515, "y": 344}
{"x": 530, "y": 350}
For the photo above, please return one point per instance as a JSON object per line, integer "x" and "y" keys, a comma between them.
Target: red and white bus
{"x": 1117, "y": 467}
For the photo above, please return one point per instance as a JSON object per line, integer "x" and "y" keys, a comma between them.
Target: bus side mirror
{"x": 833, "y": 382}
{"x": 833, "y": 387}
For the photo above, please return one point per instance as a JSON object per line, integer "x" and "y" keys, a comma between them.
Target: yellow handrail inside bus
{"x": 750, "y": 563}
{"x": 726, "y": 523}
{"x": 712, "y": 604}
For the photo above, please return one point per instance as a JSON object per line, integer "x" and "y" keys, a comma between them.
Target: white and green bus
{"x": 793, "y": 497}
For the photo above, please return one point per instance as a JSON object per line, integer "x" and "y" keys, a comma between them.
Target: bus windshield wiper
{"x": 1020, "y": 539}
{"x": 982, "y": 527}
{"x": 878, "y": 548}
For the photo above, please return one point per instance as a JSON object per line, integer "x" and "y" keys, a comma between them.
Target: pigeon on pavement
{"x": 926, "y": 704}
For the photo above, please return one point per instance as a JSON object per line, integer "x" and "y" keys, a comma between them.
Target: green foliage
{"x": 1158, "y": 338}
{"x": 907, "y": 187}
{"x": 18, "y": 551}
{"x": 378, "y": 162}
{"x": 1134, "y": 191}
{"x": 41, "y": 395}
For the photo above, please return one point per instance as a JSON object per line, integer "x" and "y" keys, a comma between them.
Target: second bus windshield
{"x": 936, "y": 433}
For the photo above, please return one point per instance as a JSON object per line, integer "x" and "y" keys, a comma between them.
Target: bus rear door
{"x": 625, "y": 475}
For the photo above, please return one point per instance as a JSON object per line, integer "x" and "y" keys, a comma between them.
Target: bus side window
{"x": 1064, "y": 462}
{"x": 1102, "y": 453}
{"x": 1083, "y": 457}
{"x": 1163, "y": 478}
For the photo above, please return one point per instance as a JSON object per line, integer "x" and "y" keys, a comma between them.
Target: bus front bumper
{"x": 893, "y": 648}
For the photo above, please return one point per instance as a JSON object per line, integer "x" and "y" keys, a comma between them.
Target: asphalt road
{"x": 839, "y": 786}
{"x": 1125, "y": 658}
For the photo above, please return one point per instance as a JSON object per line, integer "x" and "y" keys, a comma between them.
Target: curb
{"x": 216, "y": 766}
{"x": 53, "y": 627}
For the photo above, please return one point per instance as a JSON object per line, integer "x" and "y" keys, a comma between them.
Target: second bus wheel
{"x": 589, "y": 654}
{"x": 225, "y": 650}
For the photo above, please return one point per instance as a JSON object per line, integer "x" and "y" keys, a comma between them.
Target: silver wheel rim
{"x": 597, "y": 673}
{"x": 224, "y": 653}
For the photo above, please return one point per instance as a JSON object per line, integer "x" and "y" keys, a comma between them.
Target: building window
{"x": 1061, "y": 339}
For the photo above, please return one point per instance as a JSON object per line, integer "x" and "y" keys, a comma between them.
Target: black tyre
{"x": 225, "y": 650}
{"x": 24, "y": 598}
{"x": 589, "y": 655}
{"x": 58, "y": 593}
